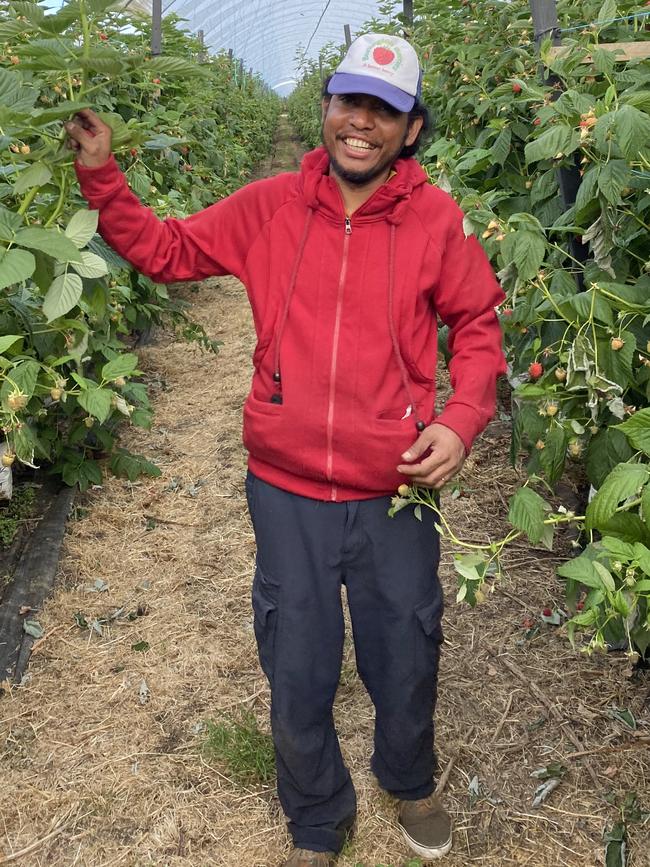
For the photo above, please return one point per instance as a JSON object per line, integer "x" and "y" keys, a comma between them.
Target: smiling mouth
{"x": 358, "y": 144}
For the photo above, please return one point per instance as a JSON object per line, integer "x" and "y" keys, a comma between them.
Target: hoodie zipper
{"x": 335, "y": 352}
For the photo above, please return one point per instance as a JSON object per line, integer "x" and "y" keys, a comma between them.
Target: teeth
{"x": 358, "y": 143}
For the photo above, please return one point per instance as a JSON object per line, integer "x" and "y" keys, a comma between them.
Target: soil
{"x": 149, "y": 635}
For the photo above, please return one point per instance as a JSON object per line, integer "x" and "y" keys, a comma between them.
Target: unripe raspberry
{"x": 616, "y": 343}
{"x": 17, "y": 400}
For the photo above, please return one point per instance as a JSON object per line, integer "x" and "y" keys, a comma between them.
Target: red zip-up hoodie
{"x": 345, "y": 313}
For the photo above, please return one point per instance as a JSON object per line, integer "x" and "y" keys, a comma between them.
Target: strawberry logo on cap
{"x": 383, "y": 56}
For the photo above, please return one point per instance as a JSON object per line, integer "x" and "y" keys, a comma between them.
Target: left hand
{"x": 436, "y": 469}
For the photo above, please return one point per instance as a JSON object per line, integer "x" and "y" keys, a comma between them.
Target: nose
{"x": 362, "y": 117}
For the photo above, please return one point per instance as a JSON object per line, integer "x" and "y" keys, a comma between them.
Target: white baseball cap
{"x": 381, "y": 65}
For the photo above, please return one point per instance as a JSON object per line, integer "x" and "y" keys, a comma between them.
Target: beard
{"x": 363, "y": 177}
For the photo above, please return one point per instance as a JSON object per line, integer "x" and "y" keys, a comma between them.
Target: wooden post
{"x": 348, "y": 35}
{"x": 408, "y": 11}
{"x": 202, "y": 53}
{"x": 156, "y": 27}
{"x": 230, "y": 54}
{"x": 546, "y": 24}
{"x": 241, "y": 73}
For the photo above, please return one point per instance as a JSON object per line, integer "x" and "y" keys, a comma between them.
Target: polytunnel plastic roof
{"x": 267, "y": 35}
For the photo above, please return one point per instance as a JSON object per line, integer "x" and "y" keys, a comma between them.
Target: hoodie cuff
{"x": 463, "y": 420}
{"x": 100, "y": 180}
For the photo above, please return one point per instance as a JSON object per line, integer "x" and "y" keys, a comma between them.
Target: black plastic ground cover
{"x": 32, "y": 583}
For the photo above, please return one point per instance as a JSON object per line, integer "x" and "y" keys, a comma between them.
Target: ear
{"x": 414, "y": 130}
{"x": 325, "y": 104}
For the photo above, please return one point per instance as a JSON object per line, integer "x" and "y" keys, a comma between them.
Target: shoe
{"x": 307, "y": 858}
{"x": 426, "y": 827}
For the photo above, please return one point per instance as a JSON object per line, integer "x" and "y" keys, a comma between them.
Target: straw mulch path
{"x": 100, "y": 750}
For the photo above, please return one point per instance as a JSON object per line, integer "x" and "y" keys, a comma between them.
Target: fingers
{"x": 446, "y": 457}
{"x": 430, "y": 473}
{"x": 89, "y": 137}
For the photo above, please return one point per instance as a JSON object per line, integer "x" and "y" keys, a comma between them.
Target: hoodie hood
{"x": 320, "y": 190}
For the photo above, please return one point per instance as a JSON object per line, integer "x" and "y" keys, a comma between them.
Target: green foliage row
{"x": 186, "y": 132}
{"x": 577, "y": 276}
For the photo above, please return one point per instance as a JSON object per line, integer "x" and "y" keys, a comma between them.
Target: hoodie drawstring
{"x": 277, "y": 378}
{"x": 419, "y": 424}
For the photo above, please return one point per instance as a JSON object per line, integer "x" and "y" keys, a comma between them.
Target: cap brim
{"x": 346, "y": 82}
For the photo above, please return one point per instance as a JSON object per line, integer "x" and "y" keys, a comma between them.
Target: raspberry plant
{"x": 186, "y": 133}
{"x": 576, "y": 316}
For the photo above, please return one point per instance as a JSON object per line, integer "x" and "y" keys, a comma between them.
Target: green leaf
{"x": 130, "y": 466}
{"x": 33, "y": 628}
{"x": 632, "y": 129}
{"x": 560, "y": 139}
{"x": 15, "y": 267}
{"x": 637, "y": 429}
{"x": 37, "y": 175}
{"x": 607, "y": 11}
{"x": 23, "y": 376}
{"x": 615, "y": 846}
{"x": 582, "y": 570}
{"x": 588, "y": 188}
{"x": 140, "y": 646}
{"x": 97, "y": 402}
{"x": 91, "y": 265}
{"x": 553, "y": 455}
{"x": 123, "y": 365}
{"x": 501, "y": 147}
{"x": 526, "y": 249}
{"x": 642, "y": 557}
{"x": 62, "y": 296}
{"x": 605, "y": 576}
{"x": 526, "y": 513}
{"x": 645, "y": 505}
{"x": 169, "y": 65}
{"x": 65, "y": 109}
{"x": 622, "y": 482}
{"x": 49, "y": 241}
{"x": 608, "y": 448}
{"x": 82, "y": 227}
{"x": 617, "y": 548}
{"x": 616, "y": 364}
{"x": 8, "y": 340}
{"x": 613, "y": 177}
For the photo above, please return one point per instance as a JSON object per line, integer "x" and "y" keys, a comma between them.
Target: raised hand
{"x": 90, "y": 137}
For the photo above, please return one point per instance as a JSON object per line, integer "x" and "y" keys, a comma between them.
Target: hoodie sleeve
{"x": 213, "y": 242}
{"x": 465, "y": 297}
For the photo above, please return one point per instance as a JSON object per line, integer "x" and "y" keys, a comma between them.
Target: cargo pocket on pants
{"x": 429, "y": 637}
{"x": 265, "y": 620}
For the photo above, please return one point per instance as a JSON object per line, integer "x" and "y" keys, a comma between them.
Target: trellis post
{"x": 408, "y": 11}
{"x": 156, "y": 27}
{"x": 546, "y": 24}
{"x": 348, "y": 35}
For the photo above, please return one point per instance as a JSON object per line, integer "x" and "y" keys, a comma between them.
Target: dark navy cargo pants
{"x": 306, "y": 549}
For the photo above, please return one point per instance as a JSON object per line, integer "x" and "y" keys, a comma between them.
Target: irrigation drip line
{"x": 640, "y": 14}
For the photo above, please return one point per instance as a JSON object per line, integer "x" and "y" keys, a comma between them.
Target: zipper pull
{"x": 348, "y": 226}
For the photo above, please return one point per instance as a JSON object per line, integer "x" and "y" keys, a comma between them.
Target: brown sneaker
{"x": 307, "y": 858}
{"x": 426, "y": 827}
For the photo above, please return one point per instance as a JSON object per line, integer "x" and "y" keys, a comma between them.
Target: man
{"x": 347, "y": 265}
